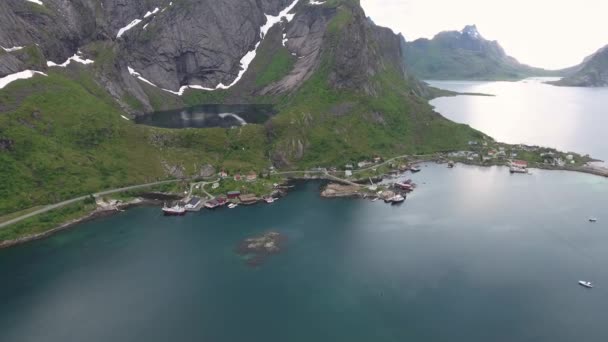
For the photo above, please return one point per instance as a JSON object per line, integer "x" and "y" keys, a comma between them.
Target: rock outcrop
{"x": 256, "y": 249}
{"x": 334, "y": 190}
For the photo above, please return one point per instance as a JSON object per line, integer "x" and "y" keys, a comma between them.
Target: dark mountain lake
{"x": 474, "y": 254}
{"x": 205, "y": 116}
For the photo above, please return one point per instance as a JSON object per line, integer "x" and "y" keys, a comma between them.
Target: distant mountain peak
{"x": 464, "y": 54}
{"x": 471, "y": 31}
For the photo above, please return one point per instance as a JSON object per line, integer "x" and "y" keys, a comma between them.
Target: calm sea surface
{"x": 475, "y": 254}
{"x": 531, "y": 112}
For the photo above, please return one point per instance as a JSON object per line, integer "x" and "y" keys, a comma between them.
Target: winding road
{"x": 134, "y": 187}
{"x": 81, "y": 198}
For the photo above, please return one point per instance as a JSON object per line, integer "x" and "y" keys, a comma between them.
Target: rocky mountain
{"x": 85, "y": 67}
{"x": 464, "y": 55}
{"x": 592, "y": 72}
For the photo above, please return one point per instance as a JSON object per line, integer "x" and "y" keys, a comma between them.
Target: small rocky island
{"x": 256, "y": 249}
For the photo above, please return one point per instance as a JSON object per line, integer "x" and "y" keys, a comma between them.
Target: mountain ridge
{"x": 465, "y": 55}
{"x": 592, "y": 72}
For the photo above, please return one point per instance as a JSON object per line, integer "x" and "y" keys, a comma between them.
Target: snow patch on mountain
{"x": 75, "y": 58}
{"x": 138, "y": 75}
{"x": 38, "y": 2}
{"x": 128, "y": 27}
{"x": 245, "y": 60}
{"x": 22, "y": 75}
{"x": 14, "y": 48}
{"x": 149, "y": 13}
{"x": 250, "y": 56}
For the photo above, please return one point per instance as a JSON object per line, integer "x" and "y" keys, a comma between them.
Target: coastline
{"x": 95, "y": 214}
{"x": 103, "y": 212}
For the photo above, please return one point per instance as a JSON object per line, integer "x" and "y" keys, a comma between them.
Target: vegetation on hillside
{"x": 63, "y": 135}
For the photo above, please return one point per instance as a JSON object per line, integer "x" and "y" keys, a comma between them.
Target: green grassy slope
{"x": 63, "y": 135}
{"x": 320, "y": 125}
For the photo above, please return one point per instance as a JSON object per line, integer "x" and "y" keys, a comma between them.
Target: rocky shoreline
{"x": 98, "y": 213}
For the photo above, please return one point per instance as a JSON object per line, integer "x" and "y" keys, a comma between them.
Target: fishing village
{"x": 373, "y": 178}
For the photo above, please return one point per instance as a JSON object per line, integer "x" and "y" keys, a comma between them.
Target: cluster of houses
{"x": 491, "y": 154}
{"x": 250, "y": 177}
{"x": 554, "y": 159}
{"x": 549, "y": 157}
{"x": 231, "y": 197}
{"x": 348, "y": 168}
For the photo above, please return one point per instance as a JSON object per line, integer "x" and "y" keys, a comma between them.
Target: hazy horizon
{"x": 540, "y": 33}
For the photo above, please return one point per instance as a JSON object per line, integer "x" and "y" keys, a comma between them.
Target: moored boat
{"x": 517, "y": 169}
{"x": 518, "y": 166}
{"x": 414, "y": 169}
{"x": 175, "y": 210}
{"x": 405, "y": 186}
{"x": 269, "y": 199}
{"x": 232, "y": 205}
{"x": 396, "y": 199}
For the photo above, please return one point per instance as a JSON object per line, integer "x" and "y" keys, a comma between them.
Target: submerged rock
{"x": 256, "y": 249}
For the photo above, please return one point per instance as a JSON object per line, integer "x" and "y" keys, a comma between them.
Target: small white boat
{"x": 269, "y": 200}
{"x": 374, "y": 199}
{"x": 592, "y": 219}
{"x": 232, "y": 205}
{"x": 176, "y": 210}
{"x": 397, "y": 199}
{"x": 586, "y": 284}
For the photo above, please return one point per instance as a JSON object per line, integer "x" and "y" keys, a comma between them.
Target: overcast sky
{"x": 542, "y": 33}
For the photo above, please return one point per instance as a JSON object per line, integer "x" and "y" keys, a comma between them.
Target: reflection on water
{"x": 205, "y": 116}
{"x": 474, "y": 254}
{"x": 531, "y": 112}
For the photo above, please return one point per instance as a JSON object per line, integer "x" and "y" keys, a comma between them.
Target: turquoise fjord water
{"x": 532, "y": 112}
{"x": 475, "y": 254}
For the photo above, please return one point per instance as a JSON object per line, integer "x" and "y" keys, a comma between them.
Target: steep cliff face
{"x": 203, "y": 44}
{"x": 464, "y": 54}
{"x": 593, "y": 72}
{"x": 170, "y": 42}
{"x": 199, "y": 43}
